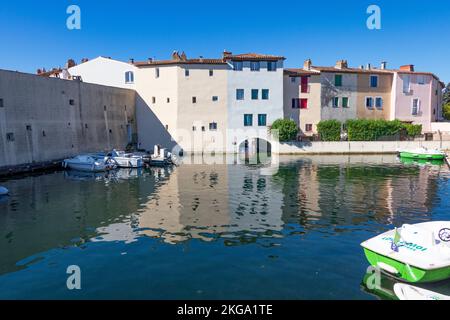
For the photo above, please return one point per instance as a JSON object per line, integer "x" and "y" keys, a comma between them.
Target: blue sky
{"x": 34, "y": 34}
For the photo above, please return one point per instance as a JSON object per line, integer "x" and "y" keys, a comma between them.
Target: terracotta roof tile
{"x": 254, "y": 56}
{"x": 300, "y": 72}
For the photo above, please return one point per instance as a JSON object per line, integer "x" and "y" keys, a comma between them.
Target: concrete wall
{"x": 356, "y": 147}
{"x": 52, "y": 119}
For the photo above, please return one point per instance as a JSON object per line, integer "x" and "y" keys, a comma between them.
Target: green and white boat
{"x": 413, "y": 253}
{"x": 405, "y": 291}
{"x": 423, "y": 154}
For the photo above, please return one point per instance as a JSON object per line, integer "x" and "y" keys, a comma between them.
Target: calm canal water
{"x": 225, "y": 231}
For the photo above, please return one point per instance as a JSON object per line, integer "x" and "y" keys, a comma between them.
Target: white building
{"x": 106, "y": 71}
{"x": 255, "y": 98}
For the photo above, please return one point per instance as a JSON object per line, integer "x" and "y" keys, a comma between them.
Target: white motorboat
{"x": 126, "y": 160}
{"x": 3, "y": 191}
{"x": 160, "y": 157}
{"x": 405, "y": 291}
{"x": 89, "y": 162}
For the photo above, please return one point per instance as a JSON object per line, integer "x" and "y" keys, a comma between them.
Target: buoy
{"x": 3, "y": 191}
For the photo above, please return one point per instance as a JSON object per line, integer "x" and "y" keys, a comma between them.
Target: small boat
{"x": 126, "y": 160}
{"x": 89, "y": 162}
{"x": 405, "y": 291}
{"x": 160, "y": 157}
{"x": 423, "y": 154}
{"x": 3, "y": 191}
{"x": 413, "y": 253}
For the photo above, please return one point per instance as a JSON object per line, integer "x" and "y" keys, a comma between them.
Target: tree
{"x": 446, "y": 97}
{"x": 287, "y": 129}
{"x": 446, "y": 111}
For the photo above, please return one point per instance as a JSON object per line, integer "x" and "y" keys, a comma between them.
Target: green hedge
{"x": 329, "y": 130}
{"x": 287, "y": 129}
{"x": 366, "y": 129}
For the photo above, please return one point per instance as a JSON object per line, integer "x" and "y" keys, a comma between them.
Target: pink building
{"x": 416, "y": 97}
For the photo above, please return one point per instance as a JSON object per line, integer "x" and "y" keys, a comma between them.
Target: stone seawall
{"x": 43, "y": 120}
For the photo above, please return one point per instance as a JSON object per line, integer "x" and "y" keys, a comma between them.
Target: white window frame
{"x": 418, "y": 106}
{"x": 409, "y": 84}
{"x": 255, "y": 63}
{"x": 129, "y": 77}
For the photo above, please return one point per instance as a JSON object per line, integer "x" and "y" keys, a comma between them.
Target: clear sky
{"x": 33, "y": 34}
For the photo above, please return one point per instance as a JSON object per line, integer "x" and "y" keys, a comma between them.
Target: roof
{"x": 54, "y": 71}
{"x": 174, "y": 62}
{"x": 253, "y": 57}
{"x": 352, "y": 70}
{"x": 300, "y": 72}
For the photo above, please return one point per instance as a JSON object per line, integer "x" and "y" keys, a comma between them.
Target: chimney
{"x": 39, "y": 71}
{"x": 70, "y": 63}
{"x": 131, "y": 60}
{"x": 368, "y": 66}
{"x": 201, "y": 58}
{"x": 84, "y": 60}
{"x": 183, "y": 56}
{"x": 383, "y": 65}
{"x": 307, "y": 64}
{"x": 176, "y": 56}
{"x": 361, "y": 67}
{"x": 227, "y": 54}
{"x": 408, "y": 67}
{"x": 341, "y": 64}
{"x": 150, "y": 60}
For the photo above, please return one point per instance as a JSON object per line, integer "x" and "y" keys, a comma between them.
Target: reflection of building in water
{"x": 255, "y": 201}
{"x": 193, "y": 203}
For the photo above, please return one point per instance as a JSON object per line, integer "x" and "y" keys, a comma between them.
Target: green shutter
{"x": 345, "y": 102}
{"x": 338, "y": 80}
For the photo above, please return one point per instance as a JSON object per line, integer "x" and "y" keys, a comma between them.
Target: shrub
{"x": 287, "y": 129}
{"x": 413, "y": 130}
{"x": 329, "y": 130}
{"x": 372, "y": 130}
{"x": 446, "y": 111}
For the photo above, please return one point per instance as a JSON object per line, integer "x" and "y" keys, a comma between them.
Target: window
{"x": 194, "y": 99}
{"x": 369, "y": 102}
{"x": 255, "y": 94}
{"x": 303, "y": 103}
{"x": 167, "y": 127}
{"x": 29, "y": 127}
{"x": 194, "y": 128}
{"x": 129, "y": 77}
{"x": 10, "y": 136}
{"x": 293, "y": 79}
{"x": 213, "y": 126}
{"x": 186, "y": 72}
{"x": 203, "y": 128}
{"x": 338, "y": 80}
{"x": 265, "y": 94}
{"x": 211, "y": 72}
{"x": 248, "y": 120}
{"x": 72, "y": 102}
{"x": 271, "y": 66}
{"x": 262, "y": 120}
{"x": 1, "y": 103}
{"x": 308, "y": 127}
{"x": 153, "y": 99}
{"x": 406, "y": 84}
{"x": 373, "y": 81}
{"x": 421, "y": 79}
{"x": 254, "y": 66}
{"x": 335, "y": 102}
{"x": 415, "y": 107}
{"x": 295, "y": 103}
{"x": 379, "y": 103}
{"x": 237, "y": 65}
{"x": 215, "y": 98}
{"x": 168, "y": 100}
{"x": 157, "y": 73}
{"x": 304, "y": 85}
{"x": 239, "y": 94}
{"x": 345, "y": 102}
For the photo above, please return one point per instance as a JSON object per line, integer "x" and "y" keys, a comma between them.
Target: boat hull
{"x": 422, "y": 156}
{"x": 405, "y": 272}
{"x": 87, "y": 167}
{"x": 133, "y": 162}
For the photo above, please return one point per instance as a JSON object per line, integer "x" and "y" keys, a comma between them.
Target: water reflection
{"x": 237, "y": 203}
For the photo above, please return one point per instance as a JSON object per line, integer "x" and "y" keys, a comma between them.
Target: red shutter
{"x": 303, "y": 103}
{"x": 304, "y": 85}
